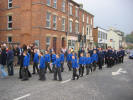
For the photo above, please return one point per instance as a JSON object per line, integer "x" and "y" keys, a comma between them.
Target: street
{"x": 99, "y": 85}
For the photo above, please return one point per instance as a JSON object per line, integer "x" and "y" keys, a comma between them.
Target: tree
{"x": 129, "y": 37}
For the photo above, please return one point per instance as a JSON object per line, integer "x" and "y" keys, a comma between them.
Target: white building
{"x": 115, "y": 38}
{"x": 102, "y": 37}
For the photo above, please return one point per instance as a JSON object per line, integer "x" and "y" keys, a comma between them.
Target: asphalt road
{"x": 99, "y": 85}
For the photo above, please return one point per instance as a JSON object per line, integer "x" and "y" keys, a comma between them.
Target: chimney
{"x": 81, "y": 5}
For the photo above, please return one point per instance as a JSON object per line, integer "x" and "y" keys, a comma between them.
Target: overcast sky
{"x": 111, "y": 13}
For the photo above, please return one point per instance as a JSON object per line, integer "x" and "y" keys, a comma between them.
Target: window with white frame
{"x": 70, "y": 26}
{"x": 83, "y": 19}
{"x": 54, "y": 21}
{"x": 91, "y": 21}
{"x": 48, "y": 2}
{"x": 55, "y": 3}
{"x": 9, "y": 4}
{"x": 70, "y": 9}
{"x": 63, "y": 5}
{"x": 48, "y": 19}
{"x": 63, "y": 24}
{"x": 87, "y": 19}
{"x": 99, "y": 34}
{"x": 83, "y": 30}
{"x": 87, "y": 30}
{"x": 9, "y": 22}
{"x": 76, "y": 28}
{"x": 47, "y": 42}
{"x": 9, "y": 39}
{"x": 76, "y": 12}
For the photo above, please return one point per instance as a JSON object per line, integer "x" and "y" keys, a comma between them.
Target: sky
{"x": 111, "y": 13}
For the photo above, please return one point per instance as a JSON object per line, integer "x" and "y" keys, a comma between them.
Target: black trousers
{"x": 25, "y": 73}
{"x": 75, "y": 73}
{"x": 10, "y": 67}
{"x": 88, "y": 68}
{"x": 62, "y": 66}
{"x": 35, "y": 67}
{"x": 94, "y": 65}
{"x": 119, "y": 59}
{"x": 53, "y": 68}
{"x": 100, "y": 64}
{"x": 47, "y": 66}
{"x": 81, "y": 70}
{"x": 69, "y": 64}
{"x": 20, "y": 72}
{"x": 110, "y": 62}
{"x": 42, "y": 74}
{"x": 57, "y": 72}
{"x": 122, "y": 58}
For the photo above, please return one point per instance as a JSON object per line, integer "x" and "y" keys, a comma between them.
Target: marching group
{"x": 77, "y": 62}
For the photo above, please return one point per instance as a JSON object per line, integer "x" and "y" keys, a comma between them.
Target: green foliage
{"x": 129, "y": 38}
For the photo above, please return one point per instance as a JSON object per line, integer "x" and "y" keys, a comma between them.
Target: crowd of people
{"x": 83, "y": 61}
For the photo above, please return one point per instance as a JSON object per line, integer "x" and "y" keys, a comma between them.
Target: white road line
{"x": 27, "y": 95}
{"x": 66, "y": 81}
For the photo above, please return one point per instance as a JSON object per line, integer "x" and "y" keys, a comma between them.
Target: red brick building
{"x": 48, "y": 23}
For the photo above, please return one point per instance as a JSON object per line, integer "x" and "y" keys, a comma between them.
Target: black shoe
{"x": 33, "y": 73}
{"x": 60, "y": 80}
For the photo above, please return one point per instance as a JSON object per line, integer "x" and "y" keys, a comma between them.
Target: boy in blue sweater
{"x": 81, "y": 64}
{"x": 25, "y": 67}
{"x": 62, "y": 61}
{"x": 69, "y": 60}
{"x": 57, "y": 68}
{"x": 42, "y": 67}
{"x": 94, "y": 59}
{"x": 53, "y": 59}
{"x": 47, "y": 61}
{"x": 88, "y": 62}
{"x": 36, "y": 61}
{"x": 74, "y": 66}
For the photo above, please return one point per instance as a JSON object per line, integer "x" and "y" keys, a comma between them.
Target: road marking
{"x": 66, "y": 81}
{"x": 27, "y": 95}
{"x": 120, "y": 70}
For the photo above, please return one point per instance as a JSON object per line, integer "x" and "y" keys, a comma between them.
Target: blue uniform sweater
{"x": 74, "y": 63}
{"x": 47, "y": 57}
{"x": 42, "y": 63}
{"x": 36, "y": 58}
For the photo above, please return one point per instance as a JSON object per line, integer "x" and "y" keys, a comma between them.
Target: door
{"x": 54, "y": 43}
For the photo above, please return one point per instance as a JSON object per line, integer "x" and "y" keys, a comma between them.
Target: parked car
{"x": 131, "y": 55}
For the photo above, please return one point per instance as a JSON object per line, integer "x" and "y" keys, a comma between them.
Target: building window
{"x": 55, "y": 4}
{"x": 63, "y": 5}
{"x": 87, "y": 30}
{"x": 83, "y": 18}
{"x": 48, "y": 2}
{"x": 76, "y": 12}
{"x": 99, "y": 34}
{"x": 9, "y": 39}
{"x": 70, "y": 26}
{"x": 87, "y": 20}
{"x": 47, "y": 42}
{"x": 83, "y": 30}
{"x": 76, "y": 28}
{"x": 9, "y": 4}
{"x": 91, "y": 21}
{"x": 48, "y": 18}
{"x": 63, "y": 24}
{"x": 54, "y": 21}
{"x": 70, "y": 9}
{"x": 9, "y": 22}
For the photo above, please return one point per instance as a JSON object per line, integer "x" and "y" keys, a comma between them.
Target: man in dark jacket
{"x": 10, "y": 58}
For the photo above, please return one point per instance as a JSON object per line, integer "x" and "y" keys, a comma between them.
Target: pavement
{"x": 99, "y": 85}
